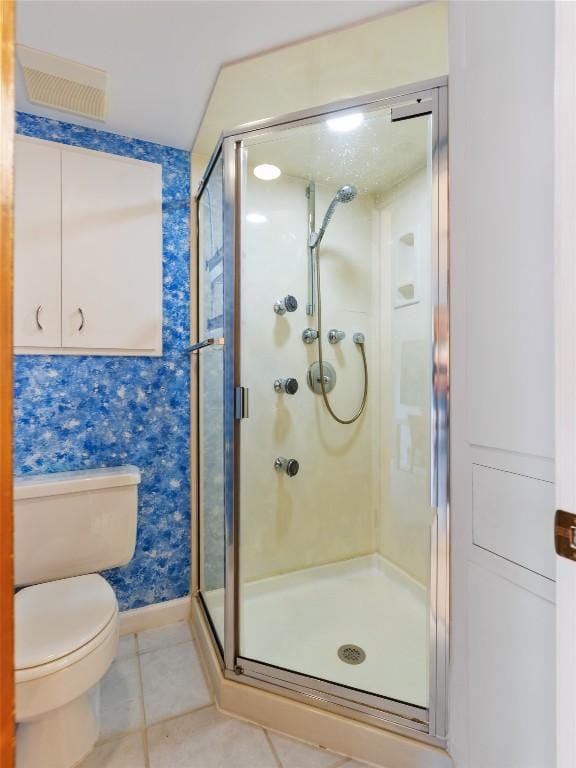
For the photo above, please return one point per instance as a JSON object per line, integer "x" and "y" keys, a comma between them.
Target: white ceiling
{"x": 163, "y": 56}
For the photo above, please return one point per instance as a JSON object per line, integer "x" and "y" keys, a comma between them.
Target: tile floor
{"x": 157, "y": 712}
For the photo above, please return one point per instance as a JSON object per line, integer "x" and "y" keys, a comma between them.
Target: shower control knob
{"x": 335, "y": 336}
{"x": 309, "y": 335}
{"x": 289, "y": 466}
{"x": 287, "y": 304}
{"x": 289, "y": 386}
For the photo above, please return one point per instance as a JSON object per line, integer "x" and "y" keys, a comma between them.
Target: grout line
{"x": 118, "y": 736}
{"x": 339, "y": 759}
{"x": 180, "y": 714}
{"x": 273, "y": 748}
{"x": 164, "y": 647}
{"x": 145, "y": 732}
{"x": 144, "y": 737}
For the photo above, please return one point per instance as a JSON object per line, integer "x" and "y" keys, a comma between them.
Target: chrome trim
{"x": 213, "y": 341}
{"x": 417, "y": 716}
{"x": 231, "y": 241}
{"x": 207, "y": 619}
{"x": 38, "y": 323}
{"x": 442, "y": 355}
{"x": 209, "y": 168}
{"x": 241, "y": 402}
{"x": 408, "y": 111}
{"x": 402, "y": 91}
{"x": 369, "y": 100}
{"x": 299, "y": 686}
{"x": 339, "y": 706}
{"x": 311, "y": 197}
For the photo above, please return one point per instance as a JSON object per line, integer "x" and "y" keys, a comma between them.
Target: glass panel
{"x": 211, "y": 412}
{"x": 335, "y": 560}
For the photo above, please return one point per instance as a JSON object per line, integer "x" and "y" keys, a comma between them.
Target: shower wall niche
{"x": 331, "y": 578}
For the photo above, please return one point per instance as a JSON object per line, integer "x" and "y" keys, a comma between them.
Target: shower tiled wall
{"x": 81, "y": 412}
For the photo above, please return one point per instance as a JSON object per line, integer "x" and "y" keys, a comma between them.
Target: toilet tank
{"x": 73, "y": 523}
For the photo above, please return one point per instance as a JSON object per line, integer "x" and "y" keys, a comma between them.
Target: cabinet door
{"x": 111, "y": 253}
{"x": 36, "y": 245}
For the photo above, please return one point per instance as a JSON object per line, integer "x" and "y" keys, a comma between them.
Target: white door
{"x": 36, "y": 245}
{"x": 565, "y": 283}
{"x": 111, "y": 252}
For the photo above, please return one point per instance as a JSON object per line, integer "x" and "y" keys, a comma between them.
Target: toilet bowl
{"x": 66, "y": 639}
{"x": 67, "y": 526}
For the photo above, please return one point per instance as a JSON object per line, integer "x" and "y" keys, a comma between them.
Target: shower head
{"x": 345, "y": 194}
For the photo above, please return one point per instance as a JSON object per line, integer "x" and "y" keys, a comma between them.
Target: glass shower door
{"x": 210, "y": 377}
{"x": 336, "y": 524}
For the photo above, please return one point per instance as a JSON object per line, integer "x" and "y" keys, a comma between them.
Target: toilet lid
{"x": 58, "y": 617}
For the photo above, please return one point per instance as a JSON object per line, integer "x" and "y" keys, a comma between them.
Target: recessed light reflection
{"x": 346, "y": 122}
{"x": 267, "y": 172}
{"x": 256, "y": 218}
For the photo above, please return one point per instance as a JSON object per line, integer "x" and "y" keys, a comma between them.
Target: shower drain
{"x": 351, "y": 654}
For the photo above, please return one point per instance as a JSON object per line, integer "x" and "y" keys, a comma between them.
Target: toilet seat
{"x": 66, "y": 638}
{"x": 57, "y": 623}
{"x": 55, "y": 710}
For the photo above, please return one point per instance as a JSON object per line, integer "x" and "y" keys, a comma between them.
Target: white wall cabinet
{"x": 37, "y": 295}
{"x": 88, "y": 252}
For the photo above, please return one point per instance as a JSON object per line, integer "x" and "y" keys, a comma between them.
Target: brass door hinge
{"x": 565, "y": 534}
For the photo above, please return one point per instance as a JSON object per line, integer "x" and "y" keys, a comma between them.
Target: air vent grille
{"x": 63, "y": 84}
{"x": 67, "y": 95}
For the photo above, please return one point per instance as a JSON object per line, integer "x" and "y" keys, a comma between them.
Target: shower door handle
{"x": 195, "y": 348}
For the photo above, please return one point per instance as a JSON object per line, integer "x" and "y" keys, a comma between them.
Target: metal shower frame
{"x": 426, "y": 724}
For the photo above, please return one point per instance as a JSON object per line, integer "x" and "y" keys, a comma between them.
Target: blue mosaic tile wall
{"x": 83, "y": 412}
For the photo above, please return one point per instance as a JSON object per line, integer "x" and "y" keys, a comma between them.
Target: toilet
{"x": 68, "y": 526}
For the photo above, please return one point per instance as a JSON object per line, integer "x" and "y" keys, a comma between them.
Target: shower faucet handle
{"x": 335, "y": 336}
{"x": 288, "y": 304}
{"x": 309, "y": 335}
{"x": 289, "y": 466}
{"x": 289, "y": 386}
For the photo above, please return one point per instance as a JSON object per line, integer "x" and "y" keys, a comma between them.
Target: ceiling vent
{"x": 63, "y": 84}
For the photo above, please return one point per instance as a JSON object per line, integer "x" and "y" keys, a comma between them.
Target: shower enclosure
{"x": 322, "y": 382}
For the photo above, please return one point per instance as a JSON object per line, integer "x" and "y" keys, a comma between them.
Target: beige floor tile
{"x": 126, "y": 646}
{"x": 173, "y": 682}
{"x": 120, "y": 699}
{"x": 208, "y": 739}
{"x": 296, "y": 754}
{"x": 126, "y": 752}
{"x": 162, "y": 637}
{"x": 353, "y": 764}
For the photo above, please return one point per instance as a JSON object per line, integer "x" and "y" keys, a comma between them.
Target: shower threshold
{"x": 301, "y": 619}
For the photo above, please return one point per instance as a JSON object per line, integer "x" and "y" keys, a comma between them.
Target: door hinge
{"x": 241, "y": 403}
{"x": 565, "y": 534}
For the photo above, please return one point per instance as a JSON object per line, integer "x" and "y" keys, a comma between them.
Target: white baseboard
{"x": 155, "y": 615}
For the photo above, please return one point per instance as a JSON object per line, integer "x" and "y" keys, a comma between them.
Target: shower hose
{"x": 360, "y": 344}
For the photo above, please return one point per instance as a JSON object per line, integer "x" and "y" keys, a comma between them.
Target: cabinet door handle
{"x": 81, "y": 326}
{"x": 38, "y": 323}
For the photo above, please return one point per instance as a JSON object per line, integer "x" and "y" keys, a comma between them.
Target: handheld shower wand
{"x": 345, "y": 194}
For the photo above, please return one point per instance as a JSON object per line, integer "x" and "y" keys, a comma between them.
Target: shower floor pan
{"x": 300, "y": 620}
